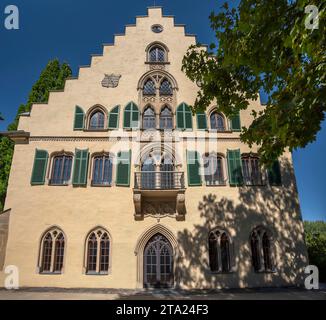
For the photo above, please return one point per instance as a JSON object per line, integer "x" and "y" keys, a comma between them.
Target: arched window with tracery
{"x": 149, "y": 88}
{"x": 262, "y": 250}
{"x": 149, "y": 121}
{"x": 217, "y": 121}
{"x": 166, "y": 118}
{"x": 166, "y": 88}
{"x": 157, "y": 54}
{"x": 251, "y": 170}
{"x": 98, "y": 252}
{"x": 213, "y": 169}
{"x": 52, "y": 251}
{"x": 102, "y": 170}
{"x": 220, "y": 254}
{"x": 96, "y": 120}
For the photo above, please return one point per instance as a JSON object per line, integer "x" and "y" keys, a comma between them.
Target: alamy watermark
{"x": 312, "y": 19}
{"x": 11, "y": 17}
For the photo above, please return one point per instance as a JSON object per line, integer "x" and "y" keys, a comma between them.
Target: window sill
{"x": 157, "y": 62}
{"x": 101, "y": 185}
{"x": 97, "y": 273}
{"x": 96, "y": 130}
{"x": 221, "y": 272}
{"x": 58, "y": 184}
{"x": 216, "y": 185}
{"x": 50, "y": 273}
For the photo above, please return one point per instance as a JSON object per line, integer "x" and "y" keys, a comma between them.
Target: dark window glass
{"x": 92, "y": 253}
{"x": 156, "y": 54}
{"x": 255, "y": 251}
{"x": 267, "y": 252}
{"x": 149, "y": 88}
{"x": 149, "y": 119}
{"x": 217, "y": 122}
{"x": 104, "y": 253}
{"x": 213, "y": 252}
{"x": 166, "y": 120}
{"x": 59, "y": 253}
{"x": 96, "y": 121}
{"x": 61, "y": 170}
{"x": 251, "y": 171}
{"x": 166, "y": 88}
{"x": 102, "y": 170}
{"x": 47, "y": 253}
{"x": 225, "y": 253}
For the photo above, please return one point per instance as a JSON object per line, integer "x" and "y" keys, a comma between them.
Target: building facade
{"x": 115, "y": 183}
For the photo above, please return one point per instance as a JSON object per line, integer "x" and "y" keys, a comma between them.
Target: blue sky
{"x": 73, "y": 30}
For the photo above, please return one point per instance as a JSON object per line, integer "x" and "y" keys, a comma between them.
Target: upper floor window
{"x": 96, "y": 120}
{"x": 213, "y": 169}
{"x": 157, "y": 54}
{"x": 98, "y": 252}
{"x": 262, "y": 250}
{"x": 149, "y": 119}
{"x": 219, "y": 251}
{"x": 131, "y": 116}
{"x": 166, "y": 118}
{"x": 102, "y": 170}
{"x": 52, "y": 251}
{"x": 184, "y": 117}
{"x": 149, "y": 88}
{"x": 61, "y": 169}
{"x": 166, "y": 88}
{"x": 217, "y": 121}
{"x": 251, "y": 170}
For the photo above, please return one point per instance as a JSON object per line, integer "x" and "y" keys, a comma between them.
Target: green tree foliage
{"x": 264, "y": 45}
{"x": 316, "y": 244}
{"x": 52, "y": 78}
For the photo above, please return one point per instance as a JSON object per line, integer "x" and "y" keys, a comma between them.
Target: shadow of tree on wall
{"x": 276, "y": 208}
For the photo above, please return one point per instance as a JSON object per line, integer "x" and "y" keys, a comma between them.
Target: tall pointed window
{"x": 149, "y": 88}
{"x": 61, "y": 169}
{"x": 52, "y": 251}
{"x": 96, "y": 120}
{"x": 166, "y": 118}
{"x": 217, "y": 122}
{"x": 102, "y": 170}
{"x": 213, "y": 169}
{"x": 219, "y": 251}
{"x": 149, "y": 121}
{"x": 98, "y": 252}
{"x": 166, "y": 88}
{"x": 262, "y": 250}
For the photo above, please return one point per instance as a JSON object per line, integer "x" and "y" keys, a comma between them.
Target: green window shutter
{"x": 39, "y": 167}
{"x": 193, "y": 165}
{"x": 180, "y": 119}
{"x": 123, "y": 168}
{"x": 184, "y": 117}
{"x": 131, "y": 116}
{"x": 201, "y": 121}
{"x": 114, "y": 118}
{"x": 80, "y": 168}
{"x": 234, "y": 167}
{"x": 79, "y": 118}
{"x": 235, "y": 122}
{"x": 274, "y": 174}
{"x": 188, "y": 117}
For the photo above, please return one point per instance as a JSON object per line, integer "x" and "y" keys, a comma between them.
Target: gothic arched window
{"x": 149, "y": 121}
{"x": 156, "y": 54}
{"x": 251, "y": 170}
{"x": 261, "y": 250}
{"x": 96, "y": 120}
{"x": 166, "y": 88}
{"x": 166, "y": 118}
{"x": 219, "y": 251}
{"x": 52, "y": 251}
{"x": 213, "y": 169}
{"x": 217, "y": 121}
{"x": 98, "y": 252}
{"x": 102, "y": 170}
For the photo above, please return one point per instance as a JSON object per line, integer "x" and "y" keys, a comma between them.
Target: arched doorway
{"x": 158, "y": 263}
{"x": 167, "y": 170}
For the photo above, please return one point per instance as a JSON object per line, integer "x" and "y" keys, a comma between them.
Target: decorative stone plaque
{"x": 111, "y": 80}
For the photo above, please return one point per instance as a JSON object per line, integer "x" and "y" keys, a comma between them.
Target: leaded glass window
{"x": 166, "y": 118}
{"x": 149, "y": 121}
{"x": 61, "y": 170}
{"x": 156, "y": 54}
{"x": 149, "y": 88}
{"x": 217, "y": 121}
{"x": 166, "y": 88}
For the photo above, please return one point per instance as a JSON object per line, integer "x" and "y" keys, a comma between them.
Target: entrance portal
{"x": 158, "y": 263}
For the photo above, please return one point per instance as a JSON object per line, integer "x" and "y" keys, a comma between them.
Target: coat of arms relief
{"x": 111, "y": 80}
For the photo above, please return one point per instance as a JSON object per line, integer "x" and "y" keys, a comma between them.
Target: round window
{"x": 157, "y": 28}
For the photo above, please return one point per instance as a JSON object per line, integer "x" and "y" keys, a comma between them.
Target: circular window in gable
{"x": 157, "y": 28}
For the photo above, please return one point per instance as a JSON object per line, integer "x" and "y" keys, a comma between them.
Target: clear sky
{"x": 72, "y": 30}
